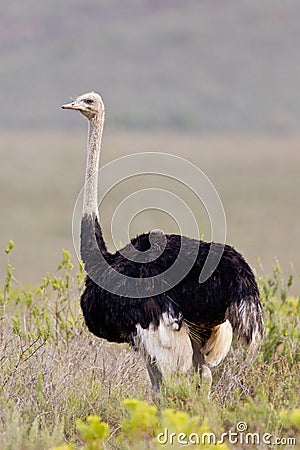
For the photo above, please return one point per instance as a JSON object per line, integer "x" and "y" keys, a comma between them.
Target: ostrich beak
{"x": 74, "y": 105}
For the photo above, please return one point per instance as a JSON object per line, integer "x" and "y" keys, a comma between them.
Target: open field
{"x": 214, "y": 82}
{"x": 257, "y": 179}
{"x": 54, "y": 372}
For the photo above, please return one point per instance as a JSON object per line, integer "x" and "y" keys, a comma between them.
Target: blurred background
{"x": 212, "y": 81}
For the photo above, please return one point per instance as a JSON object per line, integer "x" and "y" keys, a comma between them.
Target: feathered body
{"x": 189, "y": 324}
{"x": 230, "y": 293}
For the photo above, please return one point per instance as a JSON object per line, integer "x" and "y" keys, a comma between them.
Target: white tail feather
{"x": 218, "y": 345}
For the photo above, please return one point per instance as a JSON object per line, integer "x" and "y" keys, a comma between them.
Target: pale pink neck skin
{"x": 90, "y": 199}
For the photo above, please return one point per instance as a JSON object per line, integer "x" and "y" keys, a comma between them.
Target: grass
{"x": 54, "y": 376}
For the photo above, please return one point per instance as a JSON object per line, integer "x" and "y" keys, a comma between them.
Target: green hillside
{"x": 210, "y": 65}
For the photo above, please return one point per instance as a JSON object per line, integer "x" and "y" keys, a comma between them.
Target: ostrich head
{"x": 90, "y": 105}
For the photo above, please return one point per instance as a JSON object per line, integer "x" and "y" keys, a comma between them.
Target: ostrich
{"x": 187, "y": 326}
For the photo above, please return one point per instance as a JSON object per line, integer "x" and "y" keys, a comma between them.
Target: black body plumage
{"x": 230, "y": 293}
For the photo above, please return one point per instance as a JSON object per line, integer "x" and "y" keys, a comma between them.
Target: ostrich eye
{"x": 89, "y": 101}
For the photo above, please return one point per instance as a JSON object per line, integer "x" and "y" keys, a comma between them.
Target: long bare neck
{"x": 90, "y": 200}
{"x": 90, "y": 223}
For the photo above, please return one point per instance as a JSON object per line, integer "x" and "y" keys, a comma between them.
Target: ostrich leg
{"x": 155, "y": 376}
{"x": 199, "y": 366}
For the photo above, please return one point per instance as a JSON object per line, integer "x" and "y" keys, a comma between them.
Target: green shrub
{"x": 60, "y": 385}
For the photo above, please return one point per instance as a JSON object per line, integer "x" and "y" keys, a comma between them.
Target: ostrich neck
{"x": 91, "y": 234}
{"x": 90, "y": 200}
